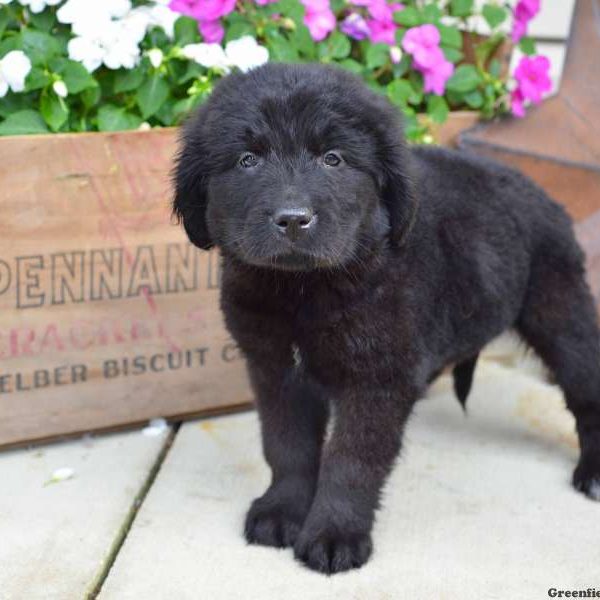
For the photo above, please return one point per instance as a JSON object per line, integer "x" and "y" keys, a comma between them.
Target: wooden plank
{"x": 108, "y": 316}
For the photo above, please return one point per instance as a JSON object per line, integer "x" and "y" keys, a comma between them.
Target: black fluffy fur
{"x": 419, "y": 257}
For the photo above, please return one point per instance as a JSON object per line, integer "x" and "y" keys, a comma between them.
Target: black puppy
{"x": 354, "y": 270}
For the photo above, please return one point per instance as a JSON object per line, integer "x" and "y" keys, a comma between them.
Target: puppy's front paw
{"x": 586, "y": 477}
{"x": 274, "y": 526}
{"x": 276, "y": 518}
{"x": 333, "y": 551}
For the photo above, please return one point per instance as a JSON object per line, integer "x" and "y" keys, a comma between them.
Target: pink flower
{"x": 382, "y": 32}
{"x": 207, "y": 13}
{"x": 532, "y": 77}
{"x": 318, "y": 18}
{"x": 517, "y": 103}
{"x": 434, "y": 79}
{"x": 524, "y": 11}
{"x": 203, "y": 10}
{"x": 423, "y": 44}
{"x": 527, "y": 9}
{"x": 533, "y": 81}
{"x": 381, "y": 25}
{"x": 212, "y": 31}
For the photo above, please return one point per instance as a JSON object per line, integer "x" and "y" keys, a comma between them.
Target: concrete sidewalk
{"x": 477, "y": 507}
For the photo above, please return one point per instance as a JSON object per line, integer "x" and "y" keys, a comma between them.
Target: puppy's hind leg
{"x": 559, "y": 321}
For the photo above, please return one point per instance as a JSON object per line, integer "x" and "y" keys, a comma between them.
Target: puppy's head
{"x": 293, "y": 167}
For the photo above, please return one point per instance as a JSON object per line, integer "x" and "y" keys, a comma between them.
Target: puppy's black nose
{"x": 294, "y": 222}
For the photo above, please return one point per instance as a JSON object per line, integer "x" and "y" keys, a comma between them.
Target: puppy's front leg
{"x": 356, "y": 460}
{"x": 293, "y": 415}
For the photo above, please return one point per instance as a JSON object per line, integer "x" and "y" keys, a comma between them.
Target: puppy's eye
{"x": 248, "y": 160}
{"x": 332, "y": 159}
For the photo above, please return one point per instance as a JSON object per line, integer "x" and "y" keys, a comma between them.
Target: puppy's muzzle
{"x": 294, "y": 223}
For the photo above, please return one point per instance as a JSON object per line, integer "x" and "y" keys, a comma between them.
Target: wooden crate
{"x": 108, "y": 316}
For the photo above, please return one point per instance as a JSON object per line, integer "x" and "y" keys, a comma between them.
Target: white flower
{"x": 60, "y": 88}
{"x": 155, "y": 55}
{"x": 210, "y": 56}
{"x": 106, "y": 32}
{"x": 87, "y": 51}
{"x": 14, "y": 68}
{"x": 160, "y": 15}
{"x": 37, "y": 6}
{"x": 110, "y": 31}
{"x": 77, "y": 12}
{"x": 395, "y": 54}
{"x": 245, "y": 53}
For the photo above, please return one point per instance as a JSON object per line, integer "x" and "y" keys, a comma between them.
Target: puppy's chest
{"x": 355, "y": 342}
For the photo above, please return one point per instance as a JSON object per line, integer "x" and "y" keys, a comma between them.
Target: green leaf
{"x": 290, "y": 8}
{"x": 437, "y": 109}
{"x": 461, "y": 8}
{"x": 409, "y": 17}
{"x": 495, "y": 68}
{"x": 474, "y": 99}
{"x": 239, "y": 29}
{"x": 399, "y": 91}
{"x": 464, "y": 79}
{"x": 53, "y": 109}
{"x": 400, "y": 69}
{"x": 151, "y": 95}
{"x": 39, "y": 46}
{"x": 116, "y": 118}
{"x": 125, "y": 80}
{"x": 377, "y": 55}
{"x": 281, "y": 50}
{"x": 450, "y": 36}
{"x": 337, "y": 45}
{"x": 431, "y": 14}
{"x": 91, "y": 96}
{"x": 352, "y": 65}
{"x": 494, "y": 15}
{"x": 452, "y": 54}
{"x": 43, "y": 21}
{"x": 4, "y": 18}
{"x": 76, "y": 77}
{"x": 527, "y": 46}
{"x": 14, "y": 42}
{"x": 22, "y": 123}
{"x": 186, "y": 31}
{"x": 36, "y": 79}
{"x": 302, "y": 41}
{"x": 192, "y": 71}
{"x": 12, "y": 103}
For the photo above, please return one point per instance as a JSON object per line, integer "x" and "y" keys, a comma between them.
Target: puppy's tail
{"x": 463, "y": 378}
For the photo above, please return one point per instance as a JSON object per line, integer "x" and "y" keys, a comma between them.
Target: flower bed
{"x": 78, "y": 65}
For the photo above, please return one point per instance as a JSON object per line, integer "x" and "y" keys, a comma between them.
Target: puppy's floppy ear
{"x": 399, "y": 196}
{"x": 191, "y": 180}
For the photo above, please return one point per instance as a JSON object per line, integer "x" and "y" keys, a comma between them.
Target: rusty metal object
{"x": 558, "y": 143}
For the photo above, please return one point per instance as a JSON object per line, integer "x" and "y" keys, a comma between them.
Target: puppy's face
{"x": 289, "y": 167}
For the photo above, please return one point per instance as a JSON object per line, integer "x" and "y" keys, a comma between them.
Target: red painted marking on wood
{"x": 111, "y": 221}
